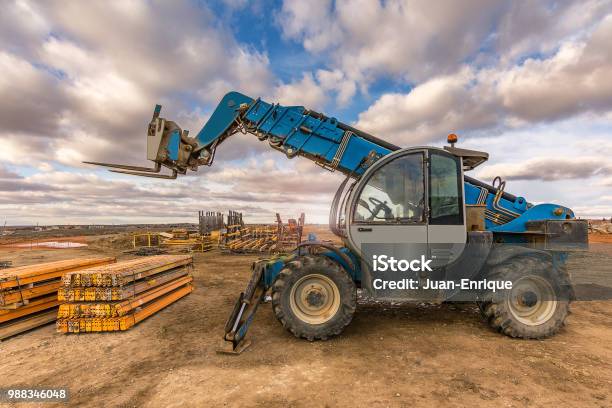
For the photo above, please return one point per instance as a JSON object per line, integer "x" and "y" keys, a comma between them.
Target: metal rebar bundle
{"x": 210, "y": 221}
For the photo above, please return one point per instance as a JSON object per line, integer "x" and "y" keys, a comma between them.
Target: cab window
{"x": 394, "y": 193}
{"x": 446, "y": 202}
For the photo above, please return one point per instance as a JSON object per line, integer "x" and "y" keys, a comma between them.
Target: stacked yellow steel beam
{"x": 28, "y": 294}
{"x": 116, "y": 297}
{"x": 195, "y": 242}
{"x": 201, "y": 243}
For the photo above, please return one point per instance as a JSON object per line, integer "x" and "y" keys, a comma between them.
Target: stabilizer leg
{"x": 236, "y": 327}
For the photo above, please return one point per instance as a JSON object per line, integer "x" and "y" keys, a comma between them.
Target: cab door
{"x": 446, "y": 232}
{"x": 388, "y": 216}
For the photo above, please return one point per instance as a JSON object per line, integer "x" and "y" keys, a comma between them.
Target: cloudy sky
{"x": 528, "y": 81}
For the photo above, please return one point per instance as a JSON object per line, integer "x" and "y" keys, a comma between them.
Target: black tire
{"x": 308, "y": 269}
{"x": 500, "y": 308}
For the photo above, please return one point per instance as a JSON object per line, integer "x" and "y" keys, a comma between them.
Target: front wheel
{"x": 537, "y": 304}
{"x": 314, "y": 298}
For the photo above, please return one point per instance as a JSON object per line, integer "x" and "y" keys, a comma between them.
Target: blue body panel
{"x": 537, "y": 212}
{"x": 289, "y": 124}
{"x": 274, "y": 266}
{"x": 222, "y": 118}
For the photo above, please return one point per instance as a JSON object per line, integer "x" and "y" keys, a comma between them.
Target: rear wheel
{"x": 314, "y": 298}
{"x": 537, "y": 304}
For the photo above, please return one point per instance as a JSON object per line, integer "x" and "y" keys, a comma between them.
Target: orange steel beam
{"x": 161, "y": 303}
{"x": 17, "y": 295}
{"x": 23, "y": 275}
{"x": 28, "y": 309}
{"x": 32, "y": 302}
{"x": 127, "y": 271}
{"x": 148, "y": 296}
{"x": 21, "y": 326}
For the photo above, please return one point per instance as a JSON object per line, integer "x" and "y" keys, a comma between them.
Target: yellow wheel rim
{"x": 315, "y": 299}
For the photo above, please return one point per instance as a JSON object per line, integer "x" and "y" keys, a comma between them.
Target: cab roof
{"x": 471, "y": 158}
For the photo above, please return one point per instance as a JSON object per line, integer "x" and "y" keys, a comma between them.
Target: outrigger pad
{"x": 227, "y": 347}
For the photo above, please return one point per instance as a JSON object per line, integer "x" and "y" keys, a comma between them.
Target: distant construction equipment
{"x": 180, "y": 238}
{"x": 277, "y": 238}
{"x": 209, "y": 223}
{"x": 28, "y": 294}
{"x": 118, "y": 296}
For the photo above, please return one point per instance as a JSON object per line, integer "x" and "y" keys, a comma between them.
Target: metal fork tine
{"x": 161, "y": 176}
{"x": 155, "y": 169}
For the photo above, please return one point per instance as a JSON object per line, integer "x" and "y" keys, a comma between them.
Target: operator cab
{"x": 410, "y": 205}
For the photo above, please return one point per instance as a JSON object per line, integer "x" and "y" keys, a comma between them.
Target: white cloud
{"x": 337, "y": 81}
{"x": 594, "y": 211}
{"x": 549, "y": 168}
{"x": 44, "y": 166}
{"x": 8, "y": 174}
{"x": 32, "y": 102}
{"x": 576, "y": 79}
{"x": 415, "y": 40}
{"x": 305, "y": 92}
{"x": 605, "y": 182}
{"x": 311, "y": 22}
{"x": 411, "y": 38}
{"x": 432, "y": 110}
{"x": 258, "y": 187}
{"x": 563, "y": 163}
{"x": 21, "y": 20}
{"x": 573, "y": 81}
{"x": 87, "y": 92}
{"x": 537, "y": 26}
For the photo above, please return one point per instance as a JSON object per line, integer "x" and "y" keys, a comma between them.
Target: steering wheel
{"x": 378, "y": 206}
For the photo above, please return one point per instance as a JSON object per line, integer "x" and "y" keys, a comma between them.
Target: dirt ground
{"x": 425, "y": 355}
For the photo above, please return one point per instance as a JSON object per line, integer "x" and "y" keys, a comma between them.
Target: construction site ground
{"x": 398, "y": 355}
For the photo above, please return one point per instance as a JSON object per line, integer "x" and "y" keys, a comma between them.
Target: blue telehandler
{"x": 414, "y": 227}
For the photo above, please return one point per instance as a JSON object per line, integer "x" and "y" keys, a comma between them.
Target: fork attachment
{"x": 167, "y": 145}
